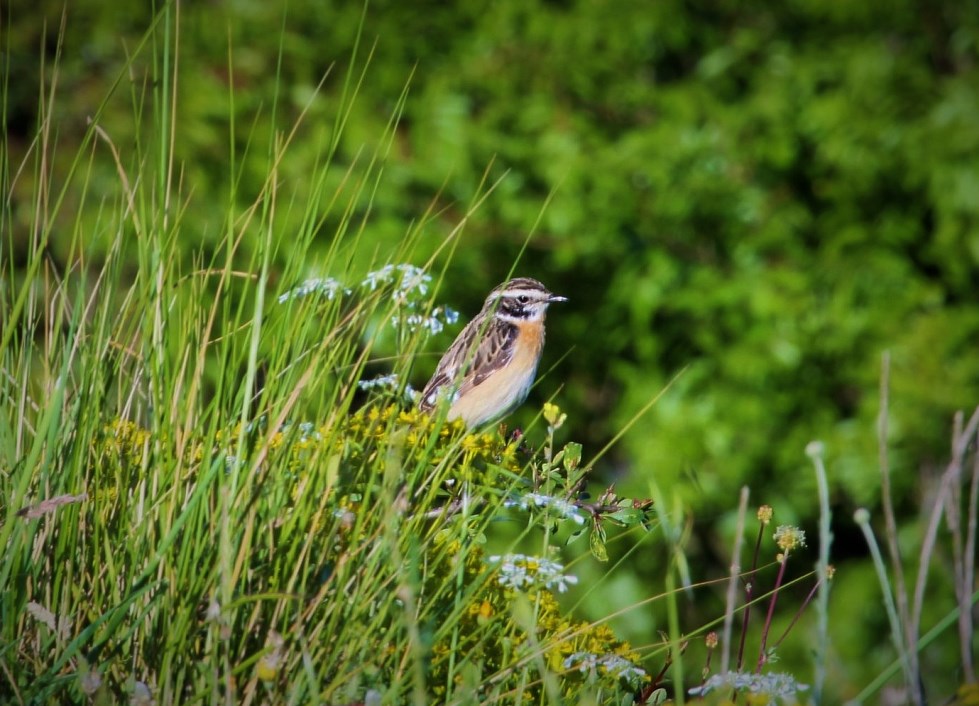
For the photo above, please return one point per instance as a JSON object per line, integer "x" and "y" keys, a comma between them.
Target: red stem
{"x": 771, "y": 612}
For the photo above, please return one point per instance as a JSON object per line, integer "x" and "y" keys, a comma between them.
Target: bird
{"x": 489, "y": 368}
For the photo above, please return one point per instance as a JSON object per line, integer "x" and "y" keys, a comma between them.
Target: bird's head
{"x": 521, "y": 299}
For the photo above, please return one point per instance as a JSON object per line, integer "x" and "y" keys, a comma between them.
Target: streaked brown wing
{"x": 462, "y": 365}
{"x": 430, "y": 394}
{"x": 493, "y": 353}
{"x": 447, "y": 371}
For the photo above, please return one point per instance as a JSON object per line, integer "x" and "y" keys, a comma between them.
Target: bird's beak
{"x": 556, "y": 298}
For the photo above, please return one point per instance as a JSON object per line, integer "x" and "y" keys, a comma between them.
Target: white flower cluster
{"x": 614, "y": 665}
{"x": 387, "y": 382}
{"x": 410, "y": 288}
{"x": 413, "y": 280}
{"x": 519, "y": 571}
{"x": 322, "y": 286}
{"x": 776, "y": 685}
{"x": 434, "y": 323}
{"x": 307, "y": 431}
{"x": 567, "y": 510}
{"x": 411, "y": 285}
{"x": 259, "y": 423}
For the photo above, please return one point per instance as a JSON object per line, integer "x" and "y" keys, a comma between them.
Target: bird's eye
{"x": 523, "y": 299}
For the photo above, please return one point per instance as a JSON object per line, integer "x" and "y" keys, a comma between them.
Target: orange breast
{"x": 506, "y": 388}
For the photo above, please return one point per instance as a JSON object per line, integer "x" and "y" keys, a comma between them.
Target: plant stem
{"x": 815, "y": 452}
{"x": 748, "y": 590}
{"x": 862, "y": 518}
{"x": 795, "y": 618}
{"x": 893, "y": 548}
{"x": 733, "y": 582}
{"x": 771, "y": 612}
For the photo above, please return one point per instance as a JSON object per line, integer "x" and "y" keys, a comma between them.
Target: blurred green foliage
{"x": 766, "y": 196}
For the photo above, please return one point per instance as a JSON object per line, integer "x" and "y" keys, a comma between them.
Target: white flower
{"x": 377, "y": 277}
{"x": 259, "y": 422}
{"x": 90, "y": 682}
{"x": 323, "y": 286}
{"x": 433, "y": 323}
{"x": 409, "y": 295}
{"x": 413, "y": 280}
{"x": 307, "y": 431}
{"x": 519, "y": 571}
{"x": 141, "y": 696}
{"x": 387, "y": 382}
{"x": 384, "y": 381}
{"x": 213, "y": 611}
{"x": 776, "y": 685}
{"x": 614, "y": 665}
{"x": 566, "y": 509}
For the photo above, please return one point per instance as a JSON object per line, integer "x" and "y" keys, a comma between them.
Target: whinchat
{"x": 489, "y": 368}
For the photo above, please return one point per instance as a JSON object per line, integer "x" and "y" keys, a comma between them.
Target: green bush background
{"x": 764, "y": 196}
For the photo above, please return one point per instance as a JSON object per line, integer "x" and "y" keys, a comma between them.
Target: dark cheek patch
{"x": 512, "y": 308}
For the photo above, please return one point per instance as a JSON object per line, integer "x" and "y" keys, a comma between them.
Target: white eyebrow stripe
{"x": 523, "y": 293}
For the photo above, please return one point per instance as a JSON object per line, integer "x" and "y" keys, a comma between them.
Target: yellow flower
{"x": 789, "y": 537}
{"x": 266, "y": 669}
{"x": 482, "y": 611}
{"x": 553, "y": 415}
{"x": 268, "y": 666}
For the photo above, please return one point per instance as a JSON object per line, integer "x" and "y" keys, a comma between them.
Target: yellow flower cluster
{"x": 489, "y": 634}
{"x": 336, "y": 458}
{"x": 124, "y": 440}
{"x": 789, "y": 537}
{"x": 565, "y": 638}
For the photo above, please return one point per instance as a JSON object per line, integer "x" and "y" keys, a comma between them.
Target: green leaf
{"x": 572, "y": 456}
{"x": 656, "y": 698}
{"x": 627, "y": 516}
{"x": 596, "y": 542}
